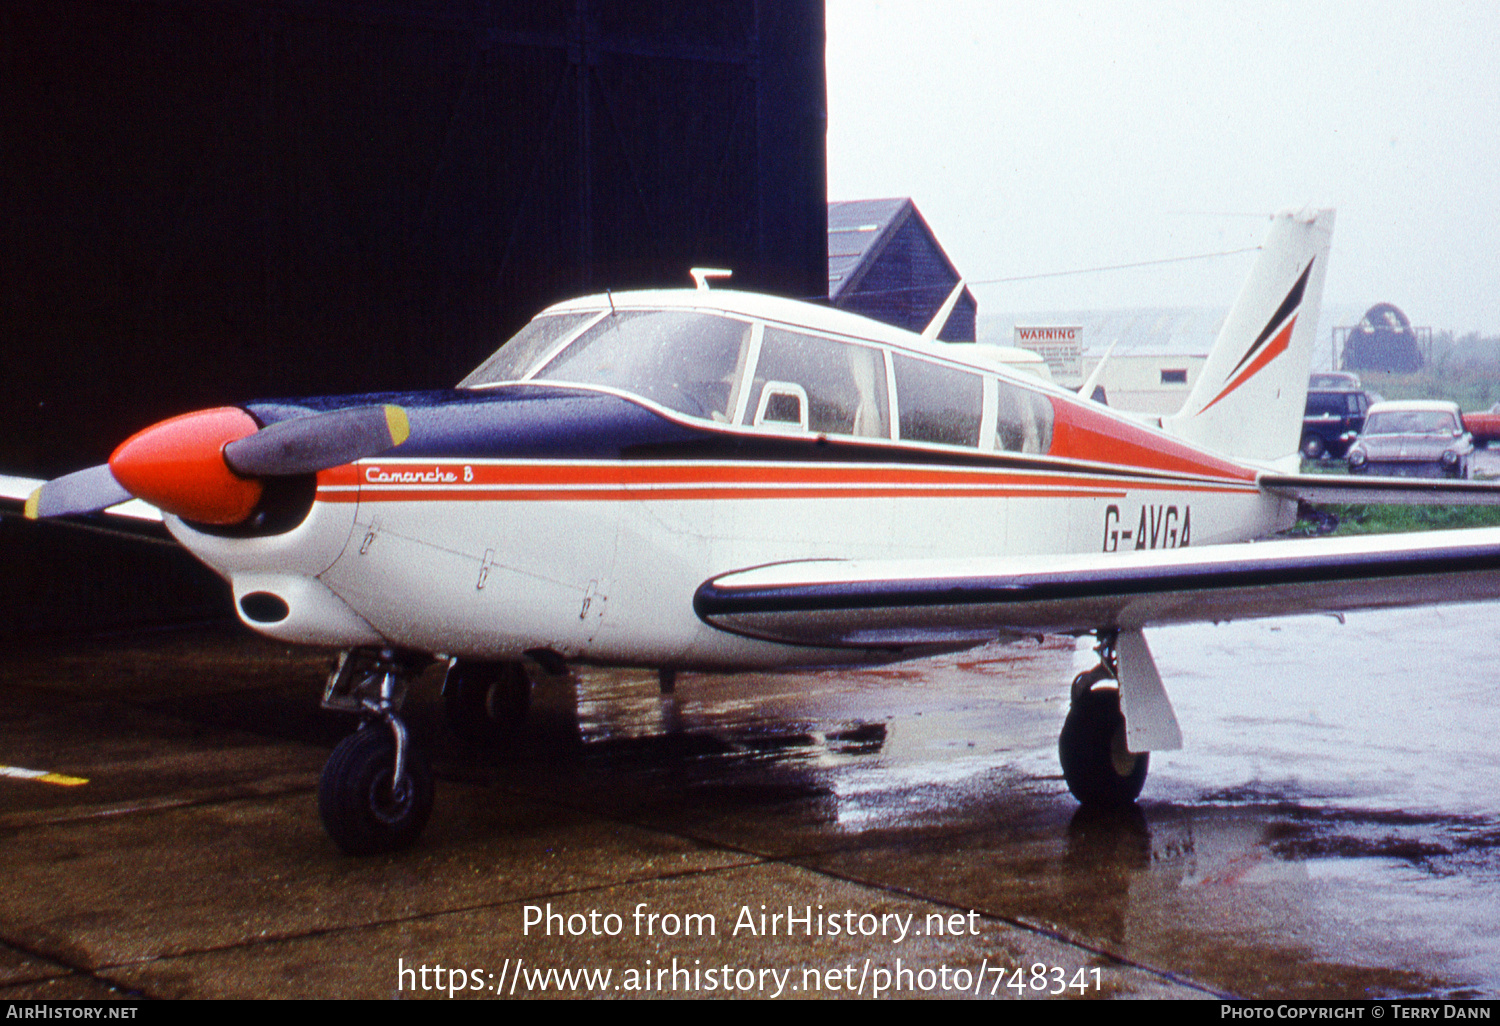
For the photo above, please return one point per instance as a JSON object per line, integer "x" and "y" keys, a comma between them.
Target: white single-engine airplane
{"x": 712, "y": 480}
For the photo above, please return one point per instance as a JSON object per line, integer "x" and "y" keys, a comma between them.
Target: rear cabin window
{"x": 525, "y": 348}
{"x": 842, "y": 384}
{"x": 1023, "y": 419}
{"x": 938, "y": 403}
{"x": 684, "y": 360}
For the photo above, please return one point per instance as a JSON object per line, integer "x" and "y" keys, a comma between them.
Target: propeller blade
{"x": 205, "y": 466}
{"x": 305, "y": 445}
{"x": 83, "y": 491}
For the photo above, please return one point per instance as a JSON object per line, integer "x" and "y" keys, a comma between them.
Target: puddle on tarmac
{"x": 1335, "y": 791}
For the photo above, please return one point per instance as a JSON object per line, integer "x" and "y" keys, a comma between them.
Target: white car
{"x": 1413, "y": 439}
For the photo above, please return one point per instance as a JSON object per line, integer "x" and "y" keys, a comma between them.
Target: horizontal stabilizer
{"x": 1398, "y": 491}
{"x": 18, "y": 489}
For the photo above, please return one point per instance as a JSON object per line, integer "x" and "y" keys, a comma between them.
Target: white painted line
{"x": 45, "y": 776}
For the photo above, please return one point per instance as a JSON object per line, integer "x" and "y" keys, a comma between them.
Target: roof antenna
{"x": 611, "y": 297}
{"x": 702, "y": 274}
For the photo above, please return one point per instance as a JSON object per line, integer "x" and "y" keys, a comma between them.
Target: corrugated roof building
{"x": 885, "y": 263}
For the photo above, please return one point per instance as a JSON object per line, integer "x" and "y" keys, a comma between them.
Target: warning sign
{"x": 1059, "y": 345}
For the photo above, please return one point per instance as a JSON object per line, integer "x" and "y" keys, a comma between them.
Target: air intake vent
{"x": 264, "y": 607}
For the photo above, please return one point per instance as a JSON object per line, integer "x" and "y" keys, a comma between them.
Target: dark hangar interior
{"x": 210, "y": 201}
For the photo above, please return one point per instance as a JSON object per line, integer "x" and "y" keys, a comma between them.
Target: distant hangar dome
{"x": 1383, "y": 340}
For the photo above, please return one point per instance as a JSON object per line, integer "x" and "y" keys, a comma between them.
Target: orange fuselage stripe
{"x": 531, "y": 482}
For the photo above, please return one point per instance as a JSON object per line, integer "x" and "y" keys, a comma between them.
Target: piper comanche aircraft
{"x": 703, "y": 479}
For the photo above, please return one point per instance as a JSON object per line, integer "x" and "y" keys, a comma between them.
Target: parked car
{"x": 1413, "y": 439}
{"x": 1345, "y": 381}
{"x": 1484, "y": 425}
{"x": 1332, "y": 420}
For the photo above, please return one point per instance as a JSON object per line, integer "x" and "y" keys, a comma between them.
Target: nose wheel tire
{"x": 1101, "y": 772}
{"x": 486, "y": 703}
{"x": 363, "y": 809}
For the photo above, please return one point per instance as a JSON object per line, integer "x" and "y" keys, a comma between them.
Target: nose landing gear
{"x": 375, "y": 792}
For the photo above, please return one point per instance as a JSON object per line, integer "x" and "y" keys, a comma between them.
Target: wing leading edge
{"x": 884, "y": 604}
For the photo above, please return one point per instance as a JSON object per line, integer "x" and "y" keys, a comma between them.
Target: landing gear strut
{"x": 375, "y": 793}
{"x": 1100, "y": 770}
{"x": 486, "y": 703}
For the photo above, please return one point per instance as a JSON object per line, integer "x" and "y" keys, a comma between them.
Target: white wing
{"x": 925, "y": 602}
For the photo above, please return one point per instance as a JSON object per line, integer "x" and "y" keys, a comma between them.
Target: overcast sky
{"x": 1038, "y": 137}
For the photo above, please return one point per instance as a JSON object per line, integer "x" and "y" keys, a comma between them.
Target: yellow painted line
{"x": 44, "y": 776}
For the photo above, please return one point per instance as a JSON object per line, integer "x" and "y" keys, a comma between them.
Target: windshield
{"x": 684, "y": 360}
{"x": 533, "y": 342}
{"x": 1412, "y": 422}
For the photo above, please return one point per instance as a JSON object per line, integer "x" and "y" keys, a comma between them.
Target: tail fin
{"x": 1249, "y": 398}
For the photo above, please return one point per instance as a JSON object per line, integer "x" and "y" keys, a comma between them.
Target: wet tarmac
{"x": 1330, "y": 829}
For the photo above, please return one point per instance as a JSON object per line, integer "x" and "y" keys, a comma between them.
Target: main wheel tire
{"x": 360, "y": 809}
{"x": 1313, "y": 447}
{"x": 486, "y": 703}
{"x": 1100, "y": 771}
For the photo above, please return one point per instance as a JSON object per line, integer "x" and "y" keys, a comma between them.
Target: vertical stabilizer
{"x": 1249, "y": 398}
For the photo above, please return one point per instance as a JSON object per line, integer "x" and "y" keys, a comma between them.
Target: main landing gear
{"x": 486, "y": 703}
{"x": 1100, "y": 770}
{"x": 375, "y": 793}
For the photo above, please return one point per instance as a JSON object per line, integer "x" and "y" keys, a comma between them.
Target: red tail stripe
{"x": 1276, "y": 348}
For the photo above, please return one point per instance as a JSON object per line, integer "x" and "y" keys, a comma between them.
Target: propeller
{"x": 305, "y": 445}
{"x": 206, "y": 466}
{"x": 82, "y": 491}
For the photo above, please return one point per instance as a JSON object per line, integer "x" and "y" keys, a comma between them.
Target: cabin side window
{"x": 684, "y": 360}
{"x": 1023, "y": 419}
{"x": 819, "y": 384}
{"x": 938, "y": 403}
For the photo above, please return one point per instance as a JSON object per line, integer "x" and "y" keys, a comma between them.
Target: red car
{"x": 1484, "y": 426}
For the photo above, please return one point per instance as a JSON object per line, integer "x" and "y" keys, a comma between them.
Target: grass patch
{"x": 1384, "y": 519}
{"x": 1472, "y": 391}
{"x": 1390, "y": 519}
